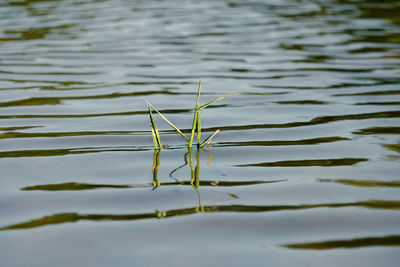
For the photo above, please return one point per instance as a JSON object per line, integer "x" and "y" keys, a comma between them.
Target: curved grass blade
{"x": 154, "y": 132}
{"x": 216, "y": 100}
{"x": 198, "y": 95}
{"x": 154, "y": 139}
{"x": 193, "y": 128}
{"x": 198, "y": 126}
{"x": 209, "y": 139}
{"x": 170, "y": 123}
{"x": 196, "y": 116}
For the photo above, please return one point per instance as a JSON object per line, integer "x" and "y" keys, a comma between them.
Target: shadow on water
{"x": 311, "y": 141}
{"x": 31, "y": 33}
{"x": 393, "y": 147}
{"x": 386, "y": 92}
{"x": 301, "y": 102}
{"x": 11, "y": 134}
{"x": 379, "y": 130}
{"x": 64, "y": 152}
{"x": 391, "y": 240}
{"x": 314, "y": 121}
{"x": 389, "y": 103}
{"x": 75, "y": 217}
{"x": 308, "y": 163}
{"x": 73, "y": 186}
{"x": 29, "y": 2}
{"x": 193, "y": 182}
{"x": 37, "y": 101}
{"x": 363, "y": 183}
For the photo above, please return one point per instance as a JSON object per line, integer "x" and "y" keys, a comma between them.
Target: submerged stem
{"x": 156, "y": 164}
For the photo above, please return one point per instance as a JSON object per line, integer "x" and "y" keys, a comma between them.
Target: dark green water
{"x": 305, "y": 170}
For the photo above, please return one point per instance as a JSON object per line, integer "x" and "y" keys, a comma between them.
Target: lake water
{"x": 305, "y": 170}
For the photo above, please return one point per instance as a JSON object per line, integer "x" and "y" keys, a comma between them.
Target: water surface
{"x": 305, "y": 170}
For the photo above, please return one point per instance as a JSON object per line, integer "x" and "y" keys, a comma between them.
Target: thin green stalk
{"x": 198, "y": 129}
{"x": 154, "y": 139}
{"x": 196, "y": 124}
{"x": 209, "y": 139}
{"x": 196, "y": 116}
{"x": 154, "y": 132}
{"x": 170, "y": 123}
{"x": 216, "y": 100}
{"x": 193, "y": 128}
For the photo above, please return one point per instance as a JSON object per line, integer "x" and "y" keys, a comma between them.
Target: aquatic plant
{"x": 196, "y": 125}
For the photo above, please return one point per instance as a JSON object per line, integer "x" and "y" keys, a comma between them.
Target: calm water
{"x": 305, "y": 170}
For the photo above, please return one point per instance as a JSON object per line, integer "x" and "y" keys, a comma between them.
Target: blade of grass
{"x": 216, "y": 100}
{"x": 154, "y": 139}
{"x": 209, "y": 139}
{"x": 196, "y": 116}
{"x": 170, "y": 123}
{"x": 154, "y": 131}
{"x": 198, "y": 95}
{"x": 193, "y": 128}
{"x": 198, "y": 129}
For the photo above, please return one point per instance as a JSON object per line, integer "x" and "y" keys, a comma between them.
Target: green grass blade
{"x": 209, "y": 139}
{"x": 154, "y": 132}
{"x": 196, "y": 116}
{"x": 216, "y": 100}
{"x": 154, "y": 139}
{"x": 198, "y": 126}
{"x": 170, "y": 123}
{"x": 198, "y": 95}
{"x": 193, "y": 127}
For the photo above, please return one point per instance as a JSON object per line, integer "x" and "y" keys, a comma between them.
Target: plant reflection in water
{"x": 194, "y": 172}
{"x": 194, "y": 181}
